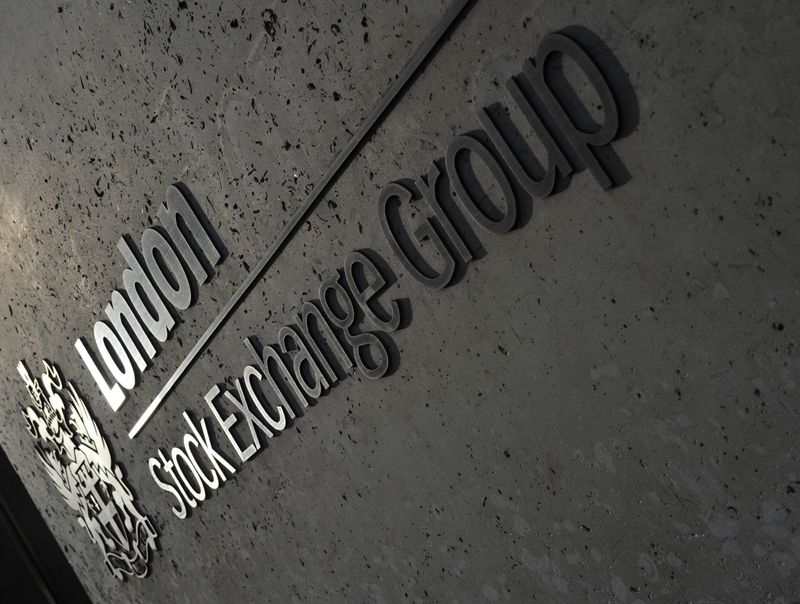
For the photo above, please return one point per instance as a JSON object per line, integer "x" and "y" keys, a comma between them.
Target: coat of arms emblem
{"x": 78, "y": 459}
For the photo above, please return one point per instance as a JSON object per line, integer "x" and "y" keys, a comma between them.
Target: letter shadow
{"x": 212, "y": 232}
{"x": 391, "y": 278}
{"x": 621, "y": 89}
{"x": 403, "y": 304}
{"x": 204, "y": 464}
{"x": 173, "y": 313}
{"x": 286, "y": 390}
{"x": 446, "y": 196}
{"x": 525, "y": 202}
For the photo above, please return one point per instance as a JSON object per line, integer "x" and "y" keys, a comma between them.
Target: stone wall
{"x": 600, "y": 407}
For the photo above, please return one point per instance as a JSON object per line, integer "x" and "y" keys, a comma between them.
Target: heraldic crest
{"x": 78, "y": 460}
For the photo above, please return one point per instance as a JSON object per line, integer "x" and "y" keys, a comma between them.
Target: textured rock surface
{"x": 603, "y": 408}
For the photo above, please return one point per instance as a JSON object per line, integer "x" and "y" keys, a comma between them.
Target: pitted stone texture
{"x": 601, "y": 409}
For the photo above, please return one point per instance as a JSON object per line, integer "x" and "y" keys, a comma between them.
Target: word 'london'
{"x": 144, "y": 313}
{"x": 329, "y": 336}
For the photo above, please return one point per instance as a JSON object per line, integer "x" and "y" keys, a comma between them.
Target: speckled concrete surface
{"x": 603, "y": 408}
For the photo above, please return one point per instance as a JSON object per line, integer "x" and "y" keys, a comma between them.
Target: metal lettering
{"x": 114, "y": 355}
{"x": 311, "y": 313}
{"x": 430, "y": 189}
{"x": 198, "y": 494}
{"x": 555, "y": 161}
{"x": 177, "y": 290}
{"x": 227, "y": 424}
{"x": 120, "y": 310}
{"x": 373, "y": 284}
{"x": 410, "y": 255}
{"x": 190, "y": 441}
{"x": 218, "y": 462}
{"x": 268, "y": 353}
{"x": 154, "y": 463}
{"x": 306, "y": 369}
{"x": 150, "y": 308}
{"x": 582, "y": 141}
{"x": 114, "y": 395}
{"x": 260, "y": 401}
{"x": 187, "y": 232}
{"x": 467, "y": 145}
{"x": 168, "y": 463}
